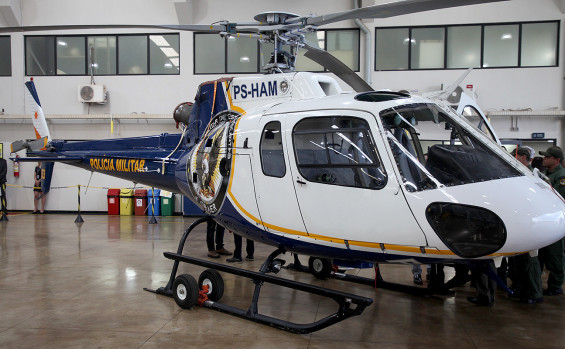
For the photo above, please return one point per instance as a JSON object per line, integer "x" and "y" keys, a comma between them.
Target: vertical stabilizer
{"x": 33, "y": 106}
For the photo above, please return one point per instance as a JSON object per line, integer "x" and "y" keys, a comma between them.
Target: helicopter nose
{"x": 512, "y": 215}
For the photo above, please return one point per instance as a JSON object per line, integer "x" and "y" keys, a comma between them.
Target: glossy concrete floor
{"x": 67, "y": 285}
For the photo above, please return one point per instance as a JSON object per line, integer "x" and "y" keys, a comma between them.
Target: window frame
{"x": 9, "y": 56}
{"x": 86, "y": 53}
{"x": 259, "y": 67}
{"x": 482, "y": 26}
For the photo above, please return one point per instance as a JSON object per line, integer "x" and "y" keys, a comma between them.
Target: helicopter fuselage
{"x": 347, "y": 176}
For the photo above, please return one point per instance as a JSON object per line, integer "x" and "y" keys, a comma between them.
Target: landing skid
{"x": 185, "y": 290}
{"x": 377, "y": 282}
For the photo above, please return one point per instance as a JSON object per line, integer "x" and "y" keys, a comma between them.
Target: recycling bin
{"x": 126, "y": 202}
{"x": 140, "y": 197}
{"x": 167, "y": 203}
{"x": 113, "y": 201}
{"x": 154, "y": 202}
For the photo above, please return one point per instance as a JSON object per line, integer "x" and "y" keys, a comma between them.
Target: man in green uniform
{"x": 552, "y": 257}
{"x": 525, "y": 270}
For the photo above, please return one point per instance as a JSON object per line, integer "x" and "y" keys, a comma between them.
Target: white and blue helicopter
{"x": 291, "y": 160}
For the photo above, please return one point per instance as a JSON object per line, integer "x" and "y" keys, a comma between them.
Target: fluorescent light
{"x": 159, "y": 40}
{"x": 244, "y": 59}
{"x": 506, "y": 36}
{"x": 169, "y": 51}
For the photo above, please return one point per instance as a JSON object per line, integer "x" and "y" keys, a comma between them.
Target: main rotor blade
{"x": 393, "y": 9}
{"x": 189, "y": 27}
{"x": 337, "y": 67}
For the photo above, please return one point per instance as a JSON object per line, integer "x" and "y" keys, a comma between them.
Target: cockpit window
{"x": 338, "y": 151}
{"x": 458, "y": 157}
{"x": 473, "y": 116}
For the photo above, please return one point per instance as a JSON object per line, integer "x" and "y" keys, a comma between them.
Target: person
{"x": 219, "y": 250}
{"x": 552, "y": 257}
{"x": 482, "y": 276}
{"x": 249, "y": 248}
{"x": 3, "y": 171}
{"x": 38, "y": 195}
{"x": 461, "y": 276}
{"x": 524, "y": 269}
{"x": 417, "y": 273}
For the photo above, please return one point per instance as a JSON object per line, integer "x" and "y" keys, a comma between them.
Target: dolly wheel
{"x": 185, "y": 291}
{"x": 215, "y": 283}
{"x": 321, "y": 268}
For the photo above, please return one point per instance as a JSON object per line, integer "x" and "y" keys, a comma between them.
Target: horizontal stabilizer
{"x": 34, "y": 145}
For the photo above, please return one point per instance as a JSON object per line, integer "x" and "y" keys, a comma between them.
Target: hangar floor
{"x": 69, "y": 285}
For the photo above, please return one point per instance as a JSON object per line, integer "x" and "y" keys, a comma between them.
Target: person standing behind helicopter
{"x": 37, "y": 193}
{"x": 552, "y": 257}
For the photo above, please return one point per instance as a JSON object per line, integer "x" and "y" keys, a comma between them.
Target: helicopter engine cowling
{"x": 181, "y": 114}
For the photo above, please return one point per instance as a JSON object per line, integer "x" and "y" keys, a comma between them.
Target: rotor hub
{"x": 274, "y": 17}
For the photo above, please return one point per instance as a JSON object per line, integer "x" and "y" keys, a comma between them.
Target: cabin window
{"x": 5, "y": 56}
{"x": 338, "y": 151}
{"x": 271, "y": 147}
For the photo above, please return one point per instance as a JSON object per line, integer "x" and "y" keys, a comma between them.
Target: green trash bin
{"x": 167, "y": 203}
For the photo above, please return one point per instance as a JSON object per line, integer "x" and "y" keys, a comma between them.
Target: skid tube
{"x": 348, "y": 304}
{"x": 377, "y": 282}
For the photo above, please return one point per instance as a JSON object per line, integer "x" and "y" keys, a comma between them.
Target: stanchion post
{"x": 153, "y": 220}
{"x": 4, "y": 208}
{"x": 79, "y": 217}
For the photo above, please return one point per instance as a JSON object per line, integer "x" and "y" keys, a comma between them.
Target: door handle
{"x": 300, "y": 182}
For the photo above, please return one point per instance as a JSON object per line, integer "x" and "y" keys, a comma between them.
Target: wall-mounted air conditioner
{"x": 92, "y": 94}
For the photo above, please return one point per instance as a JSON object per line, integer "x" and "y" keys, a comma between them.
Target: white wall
{"x": 535, "y": 88}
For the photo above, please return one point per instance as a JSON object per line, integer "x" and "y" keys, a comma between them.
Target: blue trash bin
{"x": 154, "y": 202}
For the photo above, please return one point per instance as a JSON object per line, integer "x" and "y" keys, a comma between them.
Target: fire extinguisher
{"x": 17, "y": 167}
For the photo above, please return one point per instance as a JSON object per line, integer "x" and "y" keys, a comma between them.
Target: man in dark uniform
{"x": 525, "y": 270}
{"x": 552, "y": 257}
{"x": 3, "y": 171}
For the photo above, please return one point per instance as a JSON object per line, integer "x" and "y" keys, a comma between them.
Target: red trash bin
{"x": 140, "y": 197}
{"x": 113, "y": 201}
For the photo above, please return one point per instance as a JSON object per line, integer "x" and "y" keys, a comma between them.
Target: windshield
{"x": 431, "y": 149}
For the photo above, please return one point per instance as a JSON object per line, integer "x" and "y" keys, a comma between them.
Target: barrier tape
{"x": 73, "y": 186}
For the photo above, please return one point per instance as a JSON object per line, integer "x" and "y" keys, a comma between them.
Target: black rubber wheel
{"x": 215, "y": 284}
{"x": 185, "y": 291}
{"x": 321, "y": 268}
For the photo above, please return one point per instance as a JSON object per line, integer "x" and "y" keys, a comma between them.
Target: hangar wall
{"x": 497, "y": 89}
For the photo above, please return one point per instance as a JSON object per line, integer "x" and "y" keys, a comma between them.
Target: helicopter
{"x": 291, "y": 160}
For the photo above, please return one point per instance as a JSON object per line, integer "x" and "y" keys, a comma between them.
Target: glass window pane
{"x": 40, "y": 55}
{"x": 209, "y": 54}
{"x": 344, "y": 45}
{"x": 539, "y": 44}
{"x": 392, "y": 49}
{"x": 306, "y": 64}
{"x": 132, "y": 52}
{"x": 5, "y": 56}
{"x": 103, "y": 51}
{"x": 428, "y": 47}
{"x": 164, "y": 54}
{"x": 464, "y": 47}
{"x": 272, "y": 157}
{"x": 71, "y": 55}
{"x": 338, "y": 151}
{"x": 501, "y": 46}
{"x": 242, "y": 55}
